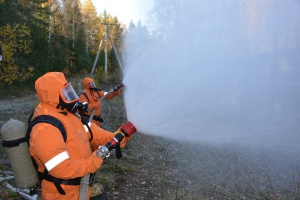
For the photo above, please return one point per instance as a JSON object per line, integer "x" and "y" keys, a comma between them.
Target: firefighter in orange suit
{"x": 92, "y": 95}
{"x": 63, "y": 162}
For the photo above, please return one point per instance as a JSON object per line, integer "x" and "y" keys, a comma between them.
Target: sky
{"x": 126, "y": 11}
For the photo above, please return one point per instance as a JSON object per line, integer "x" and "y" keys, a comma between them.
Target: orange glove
{"x": 117, "y": 92}
{"x": 96, "y": 162}
{"x": 124, "y": 142}
{"x": 125, "y": 139}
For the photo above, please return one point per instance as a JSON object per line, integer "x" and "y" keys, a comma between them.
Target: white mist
{"x": 217, "y": 72}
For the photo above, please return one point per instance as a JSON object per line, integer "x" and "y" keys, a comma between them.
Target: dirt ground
{"x": 160, "y": 168}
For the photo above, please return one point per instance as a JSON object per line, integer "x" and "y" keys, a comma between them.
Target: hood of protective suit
{"x": 87, "y": 81}
{"x": 48, "y": 87}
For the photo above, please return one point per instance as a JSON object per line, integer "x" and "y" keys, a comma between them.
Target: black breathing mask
{"x": 69, "y": 100}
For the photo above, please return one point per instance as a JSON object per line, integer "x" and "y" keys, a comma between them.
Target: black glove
{"x": 96, "y": 89}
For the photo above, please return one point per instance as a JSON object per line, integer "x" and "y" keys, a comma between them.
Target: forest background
{"x": 38, "y": 36}
{"x": 50, "y": 35}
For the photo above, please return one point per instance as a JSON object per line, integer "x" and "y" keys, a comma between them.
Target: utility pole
{"x": 106, "y": 35}
{"x": 0, "y": 52}
{"x": 105, "y": 52}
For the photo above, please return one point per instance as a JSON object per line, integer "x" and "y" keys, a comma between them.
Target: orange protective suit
{"x": 93, "y": 98}
{"x": 64, "y": 160}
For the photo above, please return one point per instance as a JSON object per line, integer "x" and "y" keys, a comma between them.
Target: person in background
{"x": 64, "y": 163}
{"x": 92, "y": 95}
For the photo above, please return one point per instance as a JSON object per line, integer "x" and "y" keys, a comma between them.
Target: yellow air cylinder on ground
{"x": 18, "y": 153}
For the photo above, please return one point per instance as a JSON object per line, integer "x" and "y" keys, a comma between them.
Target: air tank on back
{"x": 13, "y": 134}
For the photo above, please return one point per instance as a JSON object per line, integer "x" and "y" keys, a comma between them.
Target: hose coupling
{"x": 103, "y": 152}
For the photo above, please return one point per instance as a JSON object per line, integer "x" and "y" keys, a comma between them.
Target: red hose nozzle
{"x": 118, "y": 87}
{"x": 128, "y": 129}
{"x": 121, "y": 85}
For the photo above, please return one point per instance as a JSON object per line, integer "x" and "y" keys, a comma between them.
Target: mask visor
{"x": 92, "y": 85}
{"x": 68, "y": 94}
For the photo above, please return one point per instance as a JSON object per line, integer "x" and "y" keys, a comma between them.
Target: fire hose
{"x": 103, "y": 152}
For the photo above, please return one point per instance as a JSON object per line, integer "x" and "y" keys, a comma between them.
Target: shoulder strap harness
{"x": 86, "y": 96}
{"x": 44, "y": 175}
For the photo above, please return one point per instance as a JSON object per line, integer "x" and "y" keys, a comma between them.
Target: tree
{"x": 64, "y": 36}
{"x": 91, "y": 24}
{"x": 15, "y": 40}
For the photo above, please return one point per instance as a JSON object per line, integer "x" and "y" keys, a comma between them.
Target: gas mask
{"x": 69, "y": 100}
{"x": 92, "y": 85}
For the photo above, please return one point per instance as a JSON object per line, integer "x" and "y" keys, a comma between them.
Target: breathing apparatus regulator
{"x": 127, "y": 130}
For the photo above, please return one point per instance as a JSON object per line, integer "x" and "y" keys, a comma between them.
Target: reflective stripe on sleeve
{"x": 105, "y": 93}
{"x": 56, "y": 160}
{"x": 86, "y": 128}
